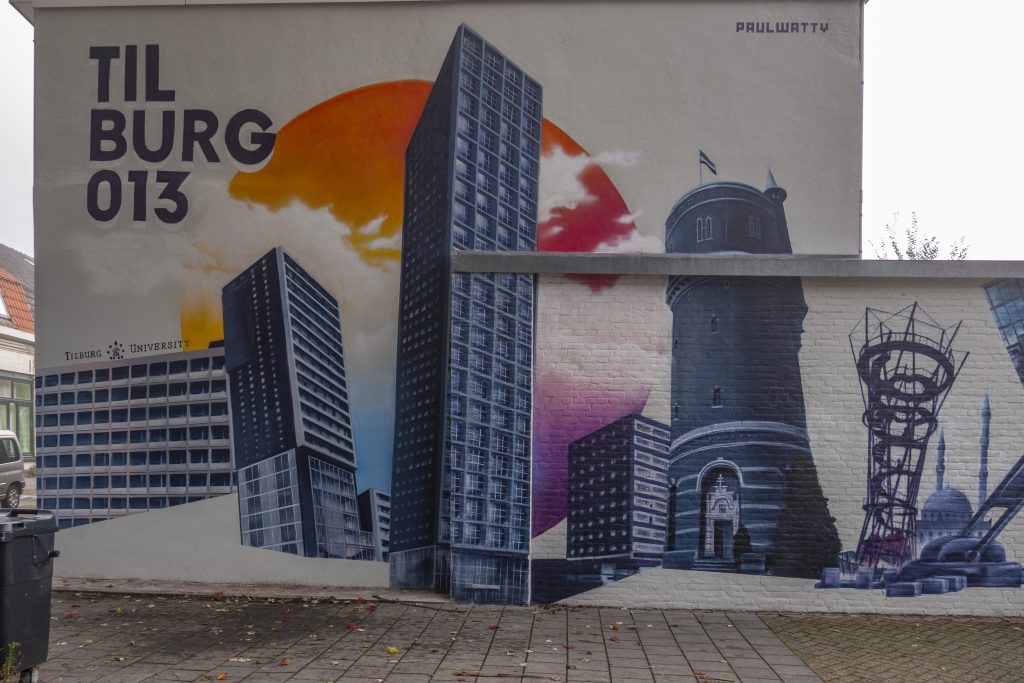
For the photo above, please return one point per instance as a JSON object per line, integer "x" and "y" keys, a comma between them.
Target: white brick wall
{"x": 601, "y": 351}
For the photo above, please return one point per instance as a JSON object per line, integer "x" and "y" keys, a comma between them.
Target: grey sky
{"x": 942, "y": 132}
{"x": 16, "y": 130}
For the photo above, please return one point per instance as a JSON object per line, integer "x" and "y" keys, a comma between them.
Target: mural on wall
{"x": 323, "y": 364}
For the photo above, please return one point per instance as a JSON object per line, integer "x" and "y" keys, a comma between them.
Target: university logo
{"x": 115, "y": 351}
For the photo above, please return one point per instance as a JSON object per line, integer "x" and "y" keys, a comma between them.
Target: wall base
{"x": 197, "y": 542}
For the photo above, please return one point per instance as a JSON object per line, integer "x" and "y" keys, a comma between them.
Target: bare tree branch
{"x": 908, "y": 244}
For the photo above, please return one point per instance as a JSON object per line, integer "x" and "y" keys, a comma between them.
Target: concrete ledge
{"x": 730, "y": 265}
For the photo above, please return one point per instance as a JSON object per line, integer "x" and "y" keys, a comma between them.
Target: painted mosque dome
{"x": 947, "y": 504}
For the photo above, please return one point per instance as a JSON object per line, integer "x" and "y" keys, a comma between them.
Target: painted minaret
{"x": 738, "y": 419}
{"x": 940, "y": 463}
{"x": 986, "y": 418}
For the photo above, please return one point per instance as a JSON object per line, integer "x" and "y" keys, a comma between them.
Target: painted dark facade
{"x": 461, "y": 469}
{"x": 618, "y": 499}
{"x": 740, "y": 469}
{"x": 375, "y": 517}
{"x": 290, "y": 412}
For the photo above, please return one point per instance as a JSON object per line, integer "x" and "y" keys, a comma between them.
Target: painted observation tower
{"x": 906, "y": 365}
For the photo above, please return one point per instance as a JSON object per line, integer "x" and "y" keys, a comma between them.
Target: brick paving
{"x": 865, "y": 647}
{"x": 130, "y": 638}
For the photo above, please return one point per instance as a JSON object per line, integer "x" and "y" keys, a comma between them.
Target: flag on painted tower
{"x": 705, "y": 160}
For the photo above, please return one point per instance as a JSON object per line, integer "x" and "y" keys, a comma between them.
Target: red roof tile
{"x": 17, "y": 304}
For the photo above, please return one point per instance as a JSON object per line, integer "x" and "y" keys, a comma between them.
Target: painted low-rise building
{"x": 118, "y": 437}
{"x": 618, "y": 499}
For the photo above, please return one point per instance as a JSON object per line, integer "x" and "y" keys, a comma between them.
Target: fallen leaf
{"x": 350, "y": 627}
{"x": 285, "y": 661}
{"x": 70, "y": 613}
{"x": 222, "y": 676}
{"x": 392, "y": 650}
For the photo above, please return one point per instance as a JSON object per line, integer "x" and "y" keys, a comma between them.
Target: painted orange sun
{"x": 347, "y": 154}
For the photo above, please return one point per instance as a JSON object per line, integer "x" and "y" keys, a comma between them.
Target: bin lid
{"x": 25, "y": 522}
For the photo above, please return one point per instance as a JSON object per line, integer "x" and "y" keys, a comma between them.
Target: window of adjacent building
{"x": 716, "y": 397}
{"x": 714, "y": 324}
{"x": 3, "y": 308}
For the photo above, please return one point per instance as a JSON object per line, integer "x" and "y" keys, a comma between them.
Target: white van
{"x": 12, "y": 472}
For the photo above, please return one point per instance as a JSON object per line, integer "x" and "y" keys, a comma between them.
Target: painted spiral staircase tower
{"x": 906, "y": 365}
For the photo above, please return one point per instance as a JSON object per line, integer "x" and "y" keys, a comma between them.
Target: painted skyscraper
{"x": 1006, "y": 299}
{"x": 290, "y": 413}
{"x": 741, "y": 476}
{"x": 461, "y": 472}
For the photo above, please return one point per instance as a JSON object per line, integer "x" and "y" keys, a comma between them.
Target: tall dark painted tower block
{"x": 744, "y": 491}
{"x": 461, "y": 469}
{"x": 290, "y": 413}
